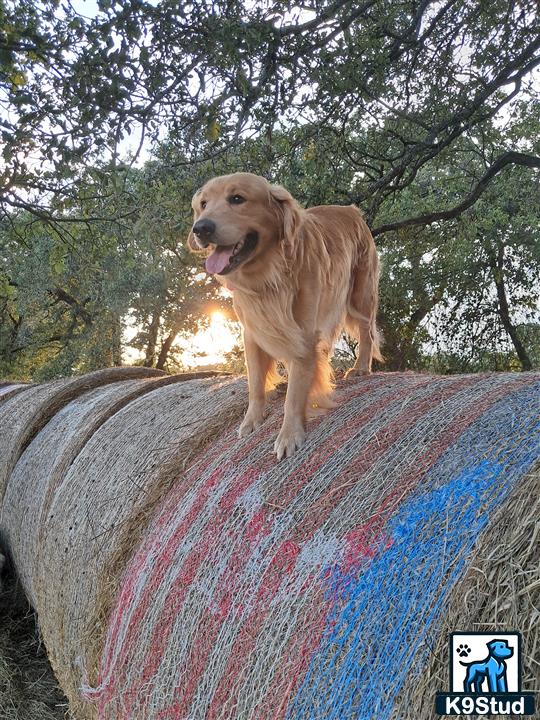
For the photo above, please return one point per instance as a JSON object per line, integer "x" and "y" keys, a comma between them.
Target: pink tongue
{"x": 219, "y": 259}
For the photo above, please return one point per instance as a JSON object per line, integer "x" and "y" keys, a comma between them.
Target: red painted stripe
{"x": 223, "y": 605}
{"x": 159, "y": 570}
{"x": 187, "y": 572}
{"x": 162, "y": 518}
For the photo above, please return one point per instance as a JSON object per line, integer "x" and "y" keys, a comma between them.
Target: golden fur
{"x": 312, "y": 272}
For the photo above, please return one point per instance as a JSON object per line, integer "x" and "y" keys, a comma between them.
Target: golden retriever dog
{"x": 297, "y": 277}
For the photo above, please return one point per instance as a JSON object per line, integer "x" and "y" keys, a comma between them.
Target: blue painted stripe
{"x": 381, "y": 619}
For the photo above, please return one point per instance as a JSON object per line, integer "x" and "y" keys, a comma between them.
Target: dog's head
{"x": 500, "y": 649}
{"x": 242, "y": 219}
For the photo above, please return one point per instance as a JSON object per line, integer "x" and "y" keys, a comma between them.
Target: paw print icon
{"x": 463, "y": 650}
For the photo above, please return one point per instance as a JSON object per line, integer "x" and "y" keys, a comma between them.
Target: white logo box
{"x": 476, "y": 643}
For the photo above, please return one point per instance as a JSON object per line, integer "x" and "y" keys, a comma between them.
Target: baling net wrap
{"x": 315, "y": 587}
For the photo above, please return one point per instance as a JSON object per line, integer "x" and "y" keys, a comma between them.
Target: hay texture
{"x": 24, "y": 414}
{"x": 500, "y": 589}
{"x": 45, "y": 462}
{"x": 179, "y": 572}
{"x": 9, "y": 389}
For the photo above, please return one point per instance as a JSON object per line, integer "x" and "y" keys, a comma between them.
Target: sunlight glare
{"x": 209, "y": 345}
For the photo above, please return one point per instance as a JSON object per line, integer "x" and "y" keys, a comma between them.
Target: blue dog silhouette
{"x": 493, "y": 668}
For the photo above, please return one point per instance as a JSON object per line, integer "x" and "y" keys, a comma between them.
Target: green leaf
{"x": 18, "y": 79}
{"x": 213, "y": 130}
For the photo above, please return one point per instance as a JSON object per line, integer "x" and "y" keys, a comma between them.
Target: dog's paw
{"x": 289, "y": 440}
{"x": 463, "y": 650}
{"x": 251, "y": 422}
{"x": 356, "y": 372}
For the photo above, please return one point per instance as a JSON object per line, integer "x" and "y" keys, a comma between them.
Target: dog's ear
{"x": 289, "y": 213}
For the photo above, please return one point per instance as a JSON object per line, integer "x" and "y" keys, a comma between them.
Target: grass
{"x": 28, "y": 689}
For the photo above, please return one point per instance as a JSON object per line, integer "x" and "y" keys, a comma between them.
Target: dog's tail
{"x": 273, "y": 377}
{"x": 363, "y": 301}
{"x": 322, "y": 388}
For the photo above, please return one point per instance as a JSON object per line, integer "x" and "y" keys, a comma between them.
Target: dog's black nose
{"x": 204, "y": 229}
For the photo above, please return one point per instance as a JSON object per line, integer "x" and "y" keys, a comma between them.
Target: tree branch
{"x": 509, "y": 158}
{"x": 78, "y": 307}
{"x": 462, "y": 119}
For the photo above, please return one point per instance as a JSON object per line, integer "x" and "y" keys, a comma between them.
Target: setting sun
{"x": 210, "y": 345}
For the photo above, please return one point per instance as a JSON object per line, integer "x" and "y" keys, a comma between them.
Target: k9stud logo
{"x": 485, "y": 676}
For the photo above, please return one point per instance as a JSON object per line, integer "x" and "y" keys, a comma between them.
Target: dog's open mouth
{"x": 226, "y": 258}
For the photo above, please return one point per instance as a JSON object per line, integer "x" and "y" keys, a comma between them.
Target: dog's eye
{"x": 203, "y": 204}
{"x": 237, "y": 199}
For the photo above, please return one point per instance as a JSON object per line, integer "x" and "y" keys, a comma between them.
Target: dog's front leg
{"x": 258, "y": 366}
{"x": 293, "y": 432}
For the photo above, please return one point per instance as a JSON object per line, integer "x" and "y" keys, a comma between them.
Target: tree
{"x": 66, "y": 298}
{"x": 460, "y": 294}
{"x": 424, "y": 113}
{"x": 395, "y": 84}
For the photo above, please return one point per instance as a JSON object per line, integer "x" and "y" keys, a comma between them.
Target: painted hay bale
{"x": 182, "y": 573}
{"x": 500, "y": 590}
{"x": 23, "y": 415}
{"x": 316, "y": 587}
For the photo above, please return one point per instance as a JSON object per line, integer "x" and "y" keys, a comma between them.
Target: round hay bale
{"x": 180, "y": 572}
{"x": 9, "y": 389}
{"x": 23, "y": 415}
{"x": 314, "y": 588}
